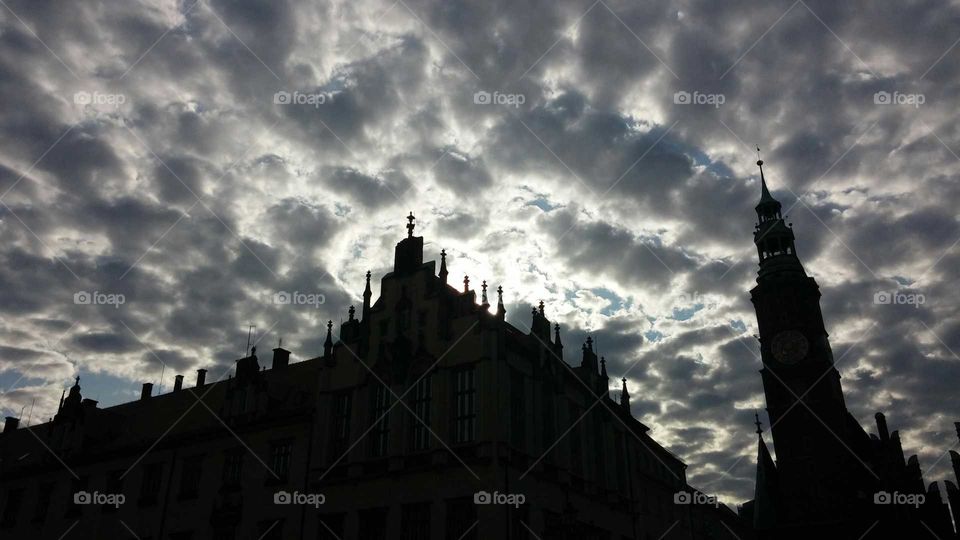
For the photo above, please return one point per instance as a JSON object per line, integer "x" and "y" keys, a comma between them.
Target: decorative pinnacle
{"x": 484, "y": 295}
{"x": 466, "y": 283}
{"x": 500, "y": 294}
{"x": 757, "y": 416}
{"x": 351, "y": 312}
{"x": 541, "y": 307}
{"x": 410, "y": 225}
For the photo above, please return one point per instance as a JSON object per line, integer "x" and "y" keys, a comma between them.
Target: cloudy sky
{"x": 194, "y": 159}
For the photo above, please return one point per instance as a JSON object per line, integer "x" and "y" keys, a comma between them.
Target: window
{"x": 415, "y": 521}
{"x": 619, "y": 453}
{"x": 232, "y": 467}
{"x": 114, "y": 486}
{"x": 576, "y": 447}
{"x": 76, "y": 486}
{"x": 465, "y": 396}
{"x": 373, "y": 524}
{"x": 339, "y": 425}
{"x": 461, "y": 519}
{"x": 43, "y": 501}
{"x": 381, "y": 420}
{"x": 11, "y": 507}
{"x": 420, "y": 405}
{"x": 518, "y": 428}
{"x": 190, "y": 477}
{"x": 549, "y": 434}
{"x": 280, "y": 453}
{"x": 150, "y": 483}
{"x": 331, "y": 527}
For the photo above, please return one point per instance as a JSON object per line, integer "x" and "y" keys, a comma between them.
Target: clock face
{"x": 789, "y": 347}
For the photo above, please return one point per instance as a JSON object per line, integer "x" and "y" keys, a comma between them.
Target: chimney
{"x": 281, "y": 357}
{"x": 177, "y": 383}
{"x": 201, "y": 377}
{"x": 882, "y": 427}
{"x": 147, "y": 391}
{"x": 10, "y": 424}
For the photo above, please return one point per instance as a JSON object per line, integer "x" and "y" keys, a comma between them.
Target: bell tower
{"x": 808, "y": 417}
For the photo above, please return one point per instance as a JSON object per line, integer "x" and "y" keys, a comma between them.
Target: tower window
{"x": 420, "y": 405}
{"x": 381, "y": 420}
{"x": 465, "y": 397}
{"x": 340, "y": 424}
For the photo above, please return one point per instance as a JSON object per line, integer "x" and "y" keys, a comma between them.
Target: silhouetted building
{"x": 831, "y": 479}
{"x": 428, "y": 417}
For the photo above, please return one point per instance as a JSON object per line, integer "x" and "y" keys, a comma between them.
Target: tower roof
{"x": 766, "y": 199}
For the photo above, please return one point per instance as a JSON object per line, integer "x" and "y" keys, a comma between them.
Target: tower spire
{"x": 625, "y": 397}
{"x": 501, "y": 311}
{"x": 366, "y": 298}
{"x": 443, "y": 265}
{"x": 328, "y": 343}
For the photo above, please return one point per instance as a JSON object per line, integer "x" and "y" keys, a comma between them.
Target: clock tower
{"x": 809, "y": 421}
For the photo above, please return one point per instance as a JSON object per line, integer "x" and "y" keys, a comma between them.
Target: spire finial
{"x": 541, "y": 307}
{"x": 500, "y": 294}
{"x": 351, "y": 312}
{"x": 483, "y": 297}
{"x": 625, "y": 397}
{"x": 410, "y": 225}
{"x": 466, "y": 283}
{"x": 590, "y": 343}
{"x": 603, "y": 367}
{"x": 443, "y": 265}
{"x": 556, "y": 333}
{"x": 756, "y": 416}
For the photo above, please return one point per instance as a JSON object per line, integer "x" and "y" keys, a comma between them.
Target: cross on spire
{"x": 410, "y": 225}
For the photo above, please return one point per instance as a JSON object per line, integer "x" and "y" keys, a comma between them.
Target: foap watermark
{"x": 897, "y": 98}
{"x": 315, "y": 99}
{"x": 483, "y": 97}
{"x": 697, "y": 98}
{"x": 97, "y": 298}
{"x": 687, "y": 497}
{"x": 110, "y": 499}
{"x": 908, "y": 499}
{"x": 696, "y": 298}
{"x": 98, "y": 98}
{"x": 899, "y": 298}
{"x": 512, "y": 499}
{"x": 307, "y": 499}
{"x": 297, "y": 298}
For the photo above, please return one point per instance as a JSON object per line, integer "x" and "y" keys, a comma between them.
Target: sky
{"x": 167, "y": 169}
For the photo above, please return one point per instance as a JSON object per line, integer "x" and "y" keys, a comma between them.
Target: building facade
{"x": 831, "y": 477}
{"x": 428, "y": 416}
